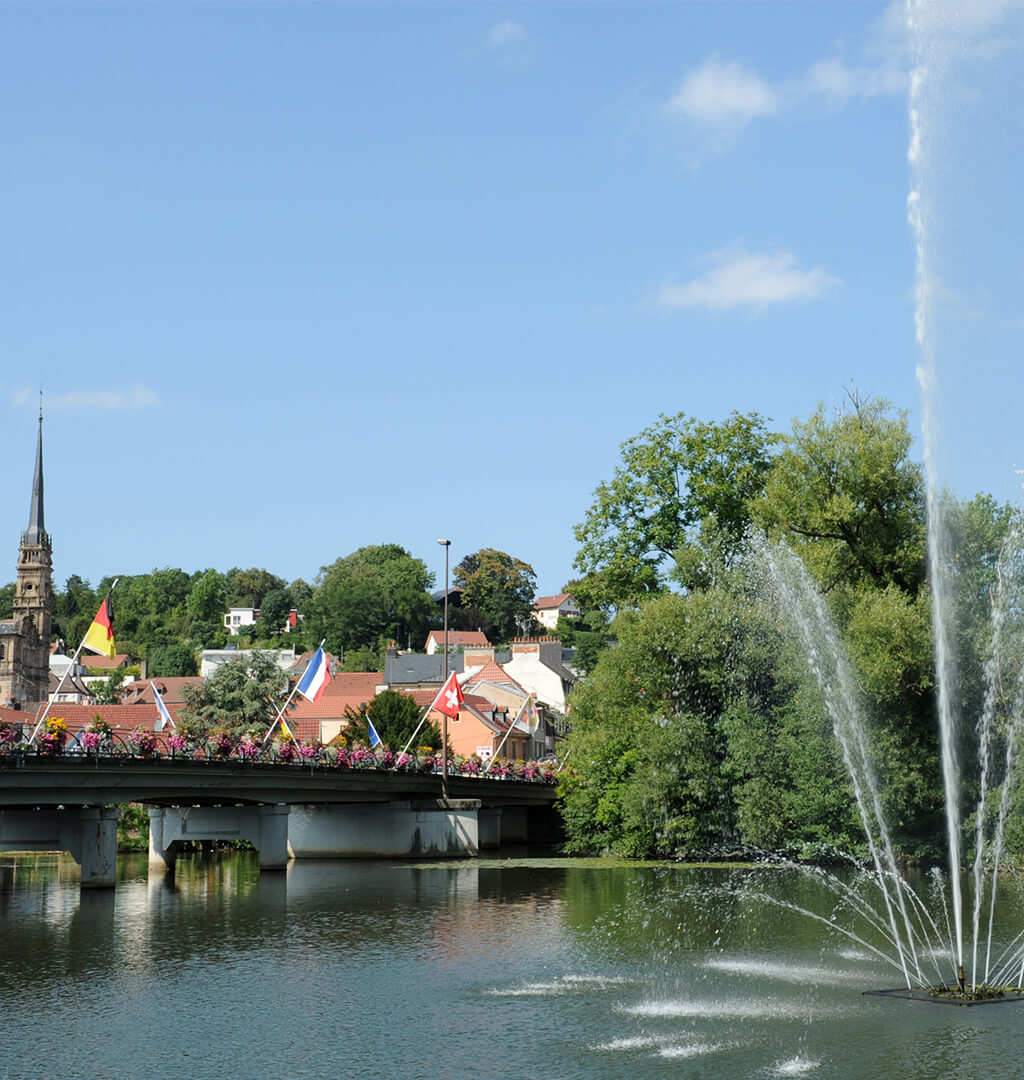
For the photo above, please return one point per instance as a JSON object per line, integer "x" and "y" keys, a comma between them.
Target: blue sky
{"x": 297, "y": 278}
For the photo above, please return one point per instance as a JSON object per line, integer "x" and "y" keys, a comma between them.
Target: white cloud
{"x": 720, "y": 99}
{"x": 135, "y": 397}
{"x": 723, "y": 95}
{"x": 738, "y": 278}
{"x": 725, "y": 98}
{"x": 506, "y": 32}
{"x": 832, "y": 79}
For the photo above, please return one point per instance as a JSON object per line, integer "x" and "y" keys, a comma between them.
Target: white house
{"x": 239, "y": 617}
{"x": 537, "y": 666}
{"x": 547, "y": 610}
{"x": 211, "y": 659}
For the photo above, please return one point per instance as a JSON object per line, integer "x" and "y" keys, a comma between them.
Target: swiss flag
{"x": 450, "y": 698}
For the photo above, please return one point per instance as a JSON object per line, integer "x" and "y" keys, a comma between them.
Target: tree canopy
{"x": 674, "y": 475}
{"x": 849, "y": 498}
{"x": 377, "y": 594}
{"x": 704, "y": 725}
{"x": 241, "y": 696}
{"x": 497, "y": 593}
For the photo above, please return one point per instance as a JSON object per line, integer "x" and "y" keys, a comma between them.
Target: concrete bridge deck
{"x": 32, "y": 781}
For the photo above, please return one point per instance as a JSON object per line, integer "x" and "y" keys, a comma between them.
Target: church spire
{"x": 36, "y": 532}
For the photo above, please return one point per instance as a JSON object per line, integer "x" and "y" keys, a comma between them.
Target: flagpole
{"x": 281, "y": 711}
{"x": 505, "y": 739}
{"x": 67, "y": 671}
{"x": 426, "y": 712}
{"x": 446, "y": 544}
{"x": 415, "y": 733}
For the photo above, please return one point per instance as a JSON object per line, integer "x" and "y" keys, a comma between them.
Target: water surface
{"x": 489, "y": 969}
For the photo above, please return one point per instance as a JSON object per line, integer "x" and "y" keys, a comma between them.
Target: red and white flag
{"x": 450, "y": 698}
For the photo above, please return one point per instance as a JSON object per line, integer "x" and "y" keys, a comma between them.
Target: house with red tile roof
{"x": 493, "y": 682}
{"x": 325, "y": 719}
{"x": 98, "y": 665}
{"x": 480, "y": 729}
{"x": 121, "y": 718}
{"x": 457, "y": 639}
{"x": 547, "y": 610}
{"x": 140, "y": 691}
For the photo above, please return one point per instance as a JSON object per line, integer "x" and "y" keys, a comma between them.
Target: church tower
{"x": 27, "y": 667}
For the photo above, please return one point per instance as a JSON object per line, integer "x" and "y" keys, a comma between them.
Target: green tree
{"x": 673, "y": 476}
{"x": 363, "y": 659}
{"x": 377, "y": 593}
{"x": 300, "y": 592}
{"x": 273, "y": 613}
{"x": 499, "y": 589}
{"x": 847, "y": 496}
{"x": 248, "y": 588}
{"x": 172, "y": 661}
{"x": 241, "y": 696}
{"x": 108, "y": 691}
{"x": 395, "y": 717}
{"x": 77, "y": 598}
{"x": 206, "y": 607}
{"x": 701, "y": 728}
{"x": 647, "y": 748}
{"x": 7, "y": 600}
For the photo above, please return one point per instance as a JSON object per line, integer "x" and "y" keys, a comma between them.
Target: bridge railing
{"x": 220, "y": 748}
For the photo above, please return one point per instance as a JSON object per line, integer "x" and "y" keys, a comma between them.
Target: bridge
{"x": 294, "y": 810}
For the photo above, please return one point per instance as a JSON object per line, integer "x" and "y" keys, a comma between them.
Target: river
{"x": 514, "y": 968}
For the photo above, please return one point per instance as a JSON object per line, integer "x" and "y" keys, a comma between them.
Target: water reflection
{"x": 485, "y": 969}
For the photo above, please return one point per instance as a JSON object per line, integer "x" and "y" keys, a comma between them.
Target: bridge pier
{"x": 265, "y": 827}
{"x": 88, "y": 834}
{"x": 420, "y": 828}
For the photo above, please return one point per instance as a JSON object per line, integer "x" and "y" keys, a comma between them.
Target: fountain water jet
{"x": 901, "y": 917}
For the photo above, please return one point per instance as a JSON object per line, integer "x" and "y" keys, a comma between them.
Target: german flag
{"x": 99, "y": 638}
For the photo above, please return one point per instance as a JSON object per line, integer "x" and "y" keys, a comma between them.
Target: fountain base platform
{"x": 953, "y": 995}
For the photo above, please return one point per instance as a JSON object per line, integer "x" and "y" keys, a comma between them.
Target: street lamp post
{"x": 446, "y": 544}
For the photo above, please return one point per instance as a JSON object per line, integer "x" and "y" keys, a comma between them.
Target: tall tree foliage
{"x": 846, "y": 495}
{"x": 674, "y": 475}
{"x": 248, "y": 588}
{"x": 497, "y": 593}
{"x": 206, "y": 606}
{"x": 376, "y": 594}
{"x": 736, "y": 741}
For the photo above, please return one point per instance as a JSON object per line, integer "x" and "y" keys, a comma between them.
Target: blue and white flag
{"x": 374, "y": 737}
{"x": 316, "y": 677}
{"x": 165, "y": 717}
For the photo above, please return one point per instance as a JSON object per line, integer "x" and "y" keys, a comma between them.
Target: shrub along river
{"x": 484, "y": 969}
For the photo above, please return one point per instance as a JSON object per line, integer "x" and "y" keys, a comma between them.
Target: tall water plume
{"x": 926, "y": 59}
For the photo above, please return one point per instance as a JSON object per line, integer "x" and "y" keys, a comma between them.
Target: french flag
{"x": 316, "y": 677}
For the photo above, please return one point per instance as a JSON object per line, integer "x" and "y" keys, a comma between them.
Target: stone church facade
{"x": 25, "y": 639}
